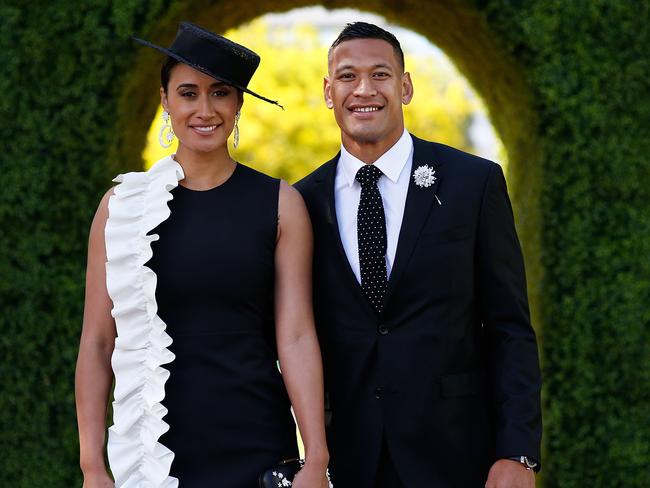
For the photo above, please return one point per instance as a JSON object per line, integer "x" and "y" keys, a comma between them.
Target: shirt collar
{"x": 391, "y": 163}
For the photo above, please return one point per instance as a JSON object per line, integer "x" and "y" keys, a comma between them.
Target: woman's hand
{"x": 311, "y": 476}
{"x": 98, "y": 479}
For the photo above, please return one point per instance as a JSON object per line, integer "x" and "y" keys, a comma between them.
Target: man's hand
{"x": 506, "y": 473}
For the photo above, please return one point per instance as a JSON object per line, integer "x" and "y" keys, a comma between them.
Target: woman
{"x": 202, "y": 265}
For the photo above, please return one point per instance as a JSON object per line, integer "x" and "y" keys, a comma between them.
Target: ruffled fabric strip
{"x": 138, "y": 205}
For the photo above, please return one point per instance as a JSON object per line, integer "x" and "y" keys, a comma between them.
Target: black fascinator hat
{"x": 213, "y": 55}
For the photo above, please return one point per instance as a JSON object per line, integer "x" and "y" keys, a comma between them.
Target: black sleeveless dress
{"x": 229, "y": 413}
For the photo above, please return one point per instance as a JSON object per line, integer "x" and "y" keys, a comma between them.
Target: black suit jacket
{"x": 448, "y": 373}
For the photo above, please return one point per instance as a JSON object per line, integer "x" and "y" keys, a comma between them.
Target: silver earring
{"x": 235, "y": 141}
{"x": 166, "y": 134}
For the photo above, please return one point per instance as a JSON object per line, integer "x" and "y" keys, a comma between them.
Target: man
{"x": 419, "y": 292}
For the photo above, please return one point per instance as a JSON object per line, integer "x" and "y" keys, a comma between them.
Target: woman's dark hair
{"x": 364, "y": 30}
{"x": 166, "y": 70}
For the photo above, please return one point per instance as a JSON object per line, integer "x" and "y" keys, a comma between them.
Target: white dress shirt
{"x": 396, "y": 165}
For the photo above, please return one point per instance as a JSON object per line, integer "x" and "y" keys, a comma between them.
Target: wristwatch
{"x": 525, "y": 460}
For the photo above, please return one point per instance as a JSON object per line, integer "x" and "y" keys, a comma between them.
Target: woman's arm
{"x": 298, "y": 349}
{"x": 94, "y": 376}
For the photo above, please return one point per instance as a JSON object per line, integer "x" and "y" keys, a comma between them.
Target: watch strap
{"x": 525, "y": 460}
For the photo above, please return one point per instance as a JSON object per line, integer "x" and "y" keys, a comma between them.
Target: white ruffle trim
{"x": 138, "y": 205}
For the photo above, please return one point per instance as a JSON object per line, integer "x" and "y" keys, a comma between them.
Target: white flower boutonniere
{"x": 424, "y": 176}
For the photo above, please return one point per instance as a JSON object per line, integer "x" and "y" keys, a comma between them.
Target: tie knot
{"x": 368, "y": 175}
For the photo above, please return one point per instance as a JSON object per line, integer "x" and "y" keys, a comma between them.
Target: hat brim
{"x": 204, "y": 70}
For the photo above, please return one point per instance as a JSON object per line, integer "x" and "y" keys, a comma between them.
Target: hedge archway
{"x": 565, "y": 84}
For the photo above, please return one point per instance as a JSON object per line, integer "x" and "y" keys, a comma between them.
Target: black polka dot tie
{"x": 371, "y": 233}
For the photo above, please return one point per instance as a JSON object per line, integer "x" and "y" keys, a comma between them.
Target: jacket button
{"x": 383, "y": 330}
{"x": 378, "y": 392}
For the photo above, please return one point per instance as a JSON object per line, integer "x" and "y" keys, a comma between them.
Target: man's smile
{"x": 364, "y": 112}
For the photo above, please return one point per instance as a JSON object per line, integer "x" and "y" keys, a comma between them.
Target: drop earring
{"x": 235, "y": 141}
{"x": 166, "y": 134}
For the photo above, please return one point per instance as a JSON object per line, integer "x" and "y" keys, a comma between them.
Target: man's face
{"x": 366, "y": 87}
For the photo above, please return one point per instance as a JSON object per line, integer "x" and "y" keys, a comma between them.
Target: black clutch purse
{"x": 282, "y": 475}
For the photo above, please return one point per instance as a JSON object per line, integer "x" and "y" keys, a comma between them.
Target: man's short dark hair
{"x": 364, "y": 30}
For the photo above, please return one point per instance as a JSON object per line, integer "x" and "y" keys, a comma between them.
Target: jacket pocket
{"x": 451, "y": 234}
{"x": 461, "y": 384}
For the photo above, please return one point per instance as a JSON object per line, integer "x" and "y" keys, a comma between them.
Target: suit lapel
{"x": 327, "y": 196}
{"x": 419, "y": 202}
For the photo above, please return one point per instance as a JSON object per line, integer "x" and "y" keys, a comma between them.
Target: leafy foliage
{"x": 587, "y": 63}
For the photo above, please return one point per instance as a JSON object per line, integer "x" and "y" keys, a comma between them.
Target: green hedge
{"x": 589, "y": 63}
{"x": 77, "y": 99}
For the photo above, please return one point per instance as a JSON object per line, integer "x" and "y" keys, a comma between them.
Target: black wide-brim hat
{"x": 213, "y": 55}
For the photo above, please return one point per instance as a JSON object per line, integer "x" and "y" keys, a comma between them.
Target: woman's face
{"x": 202, "y": 109}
